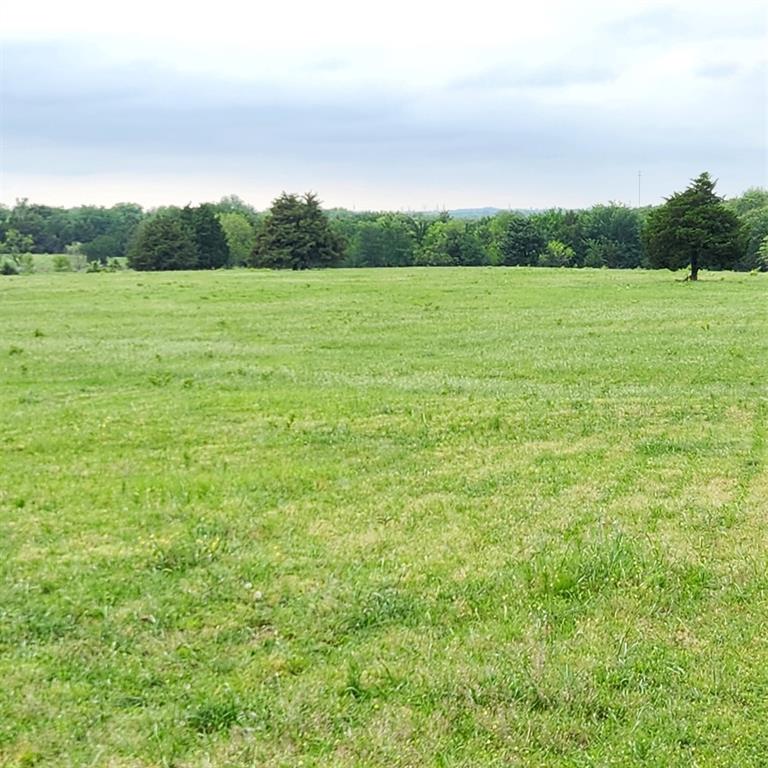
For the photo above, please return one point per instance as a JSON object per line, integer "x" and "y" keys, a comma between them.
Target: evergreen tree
{"x": 296, "y": 235}
{"x": 164, "y": 242}
{"x": 520, "y": 242}
{"x": 210, "y": 239}
{"x": 693, "y": 228}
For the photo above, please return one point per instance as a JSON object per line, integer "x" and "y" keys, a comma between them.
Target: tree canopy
{"x": 693, "y": 229}
{"x": 296, "y": 234}
{"x": 210, "y": 240}
{"x": 163, "y": 242}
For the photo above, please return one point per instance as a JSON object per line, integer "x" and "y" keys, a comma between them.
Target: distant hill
{"x": 454, "y": 213}
{"x": 479, "y": 213}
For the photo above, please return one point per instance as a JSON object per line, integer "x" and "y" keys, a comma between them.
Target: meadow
{"x": 417, "y": 517}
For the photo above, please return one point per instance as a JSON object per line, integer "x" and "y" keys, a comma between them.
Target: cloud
{"x": 566, "y": 128}
{"x": 684, "y": 22}
{"x": 560, "y": 75}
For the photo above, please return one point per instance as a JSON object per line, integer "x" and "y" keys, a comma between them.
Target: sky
{"x": 407, "y": 105}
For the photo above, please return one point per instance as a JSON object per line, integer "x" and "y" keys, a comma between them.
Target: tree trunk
{"x": 694, "y": 268}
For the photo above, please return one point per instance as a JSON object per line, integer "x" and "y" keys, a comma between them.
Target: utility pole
{"x": 639, "y": 179}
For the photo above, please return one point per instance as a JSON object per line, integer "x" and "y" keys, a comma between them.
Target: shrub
{"x": 8, "y": 268}
{"x": 61, "y": 263}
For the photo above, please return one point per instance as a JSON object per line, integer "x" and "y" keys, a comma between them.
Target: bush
{"x": 61, "y": 263}
{"x": 557, "y": 254}
{"x": 8, "y": 268}
{"x": 26, "y": 263}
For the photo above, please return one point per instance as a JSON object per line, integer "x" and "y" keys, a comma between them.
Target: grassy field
{"x": 472, "y": 517}
{"x": 56, "y": 262}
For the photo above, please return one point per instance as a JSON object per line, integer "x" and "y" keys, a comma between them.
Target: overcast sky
{"x": 403, "y": 105}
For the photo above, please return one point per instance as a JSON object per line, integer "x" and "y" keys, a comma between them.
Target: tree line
{"x": 694, "y": 227}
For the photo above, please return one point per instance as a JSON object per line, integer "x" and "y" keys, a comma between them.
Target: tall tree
{"x": 451, "y": 243}
{"x": 752, "y": 209}
{"x": 519, "y": 242}
{"x": 385, "y": 242}
{"x": 241, "y": 236}
{"x": 296, "y": 235}
{"x": 694, "y": 229}
{"x": 210, "y": 240}
{"x": 164, "y": 241}
{"x": 611, "y": 236}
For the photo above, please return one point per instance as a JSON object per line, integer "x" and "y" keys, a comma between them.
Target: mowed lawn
{"x": 418, "y": 517}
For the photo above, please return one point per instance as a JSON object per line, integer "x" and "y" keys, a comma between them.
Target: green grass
{"x": 473, "y": 517}
{"x": 47, "y": 262}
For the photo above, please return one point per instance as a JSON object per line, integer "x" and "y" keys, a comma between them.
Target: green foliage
{"x": 173, "y": 238}
{"x": 15, "y": 243}
{"x": 102, "y": 248}
{"x": 557, "y": 254}
{"x": 451, "y": 243}
{"x": 519, "y": 240}
{"x": 234, "y": 204}
{"x": 600, "y": 252}
{"x": 762, "y": 255}
{"x": 693, "y": 229}
{"x": 165, "y": 241}
{"x": 52, "y": 229}
{"x": 240, "y": 235}
{"x": 752, "y": 210}
{"x": 8, "y": 267}
{"x": 387, "y": 241}
{"x": 601, "y": 236}
{"x": 62, "y": 263}
{"x": 565, "y": 226}
{"x": 26, "y": 263}
{"x": 611, "y": 237}
{"x": 296, "y": 235}
{"x": 210, "y": 240}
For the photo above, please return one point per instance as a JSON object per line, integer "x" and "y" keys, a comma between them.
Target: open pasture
{"x": 449, "y": 517}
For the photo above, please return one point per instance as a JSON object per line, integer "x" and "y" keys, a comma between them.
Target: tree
{"x": 16, "y": 243}
{"x": 296, "y": 235}
{"x": 565, "y": 226}
{"x": 163, "y": 242}
{"x": 694, "y": 229}
{"x": 752, "y": 209}
{"x": 234, "y": 204}
{"x": 761, "y": 259}
{"x": 557, "y": 254}
{"x": 450, "y": 243}
{"x": 611, "y": 236}
{"x": 385, "y": 242}
{"x": 519, "y": 241}
{"x": 210, "y": 240}
{"x": 101, "y": 248}
{"x": 241, "y": 237}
